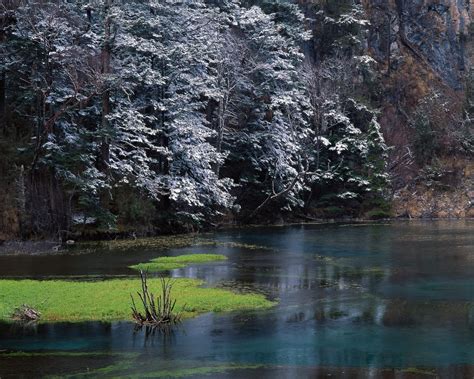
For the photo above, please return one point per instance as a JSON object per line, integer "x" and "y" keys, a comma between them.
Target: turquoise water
{"x": 352, "y": 298}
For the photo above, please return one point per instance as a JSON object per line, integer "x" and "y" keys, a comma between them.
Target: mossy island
{"x": 109, "y": 300}
{"x": 180, "y": 261}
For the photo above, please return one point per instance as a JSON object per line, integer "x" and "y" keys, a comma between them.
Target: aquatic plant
{"x": 158, "y": 310}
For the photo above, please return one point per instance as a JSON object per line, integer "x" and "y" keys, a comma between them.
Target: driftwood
{"x": 26, "y": 313}
{"x": 158, "y": 310}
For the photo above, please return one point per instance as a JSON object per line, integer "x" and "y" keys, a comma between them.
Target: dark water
{"x": 377, "y": 300}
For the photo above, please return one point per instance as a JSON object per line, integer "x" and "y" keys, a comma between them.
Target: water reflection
{"x": 373, "y": 297}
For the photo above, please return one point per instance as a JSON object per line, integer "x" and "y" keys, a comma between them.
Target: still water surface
{"x": 364, "y": 300}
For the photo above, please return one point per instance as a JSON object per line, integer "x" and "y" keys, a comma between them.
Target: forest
{"x": 154, "y": 116}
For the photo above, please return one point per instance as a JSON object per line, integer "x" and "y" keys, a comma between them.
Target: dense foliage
{"x": 182, "y": 112}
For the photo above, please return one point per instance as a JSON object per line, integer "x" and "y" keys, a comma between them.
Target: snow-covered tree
{"x": 271, "y": 140}
{"x": 196, "y": 107}
{"x": 349, "y": 148}
{"x": 195, "y": 187}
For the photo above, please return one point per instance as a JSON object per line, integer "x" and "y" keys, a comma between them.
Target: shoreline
{"x": 42, "y": 247}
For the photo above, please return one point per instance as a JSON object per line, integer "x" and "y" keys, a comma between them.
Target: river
{"x": 388, "y": 300}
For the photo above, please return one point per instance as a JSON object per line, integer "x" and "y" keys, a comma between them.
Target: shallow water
{"x": 358, "y": 300}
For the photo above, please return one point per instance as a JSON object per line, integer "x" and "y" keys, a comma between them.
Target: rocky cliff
{"x": 434, "y": 32}
{"x": 451, "y": 196}
{"x": 423, "y": 46}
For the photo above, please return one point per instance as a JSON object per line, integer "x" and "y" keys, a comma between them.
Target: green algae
{"x": 137, "y": 369}
{"x": 419, "y": 371}
{"x": 348, "y": 267}
{"x": 160, "y": 243}
{"x": 68, "y": 354}
{"x": 148, "y": 243}
{"x": 196, "y": 371}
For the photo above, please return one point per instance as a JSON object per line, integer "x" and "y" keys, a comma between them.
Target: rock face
{"x": 450, "y": 197}
{"x": 435, "y": 32}
{"x": 423, "y": 46}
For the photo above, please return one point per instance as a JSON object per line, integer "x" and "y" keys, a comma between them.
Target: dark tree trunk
{"x": 104, "y": 153}
{"x": 3, "y": 110}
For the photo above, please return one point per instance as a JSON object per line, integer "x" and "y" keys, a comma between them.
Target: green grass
{"x": 108, "y": 300}
{"x": 180, "y": 261}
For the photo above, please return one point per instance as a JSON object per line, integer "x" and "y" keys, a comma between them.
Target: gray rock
{"x": 433, "y": 30}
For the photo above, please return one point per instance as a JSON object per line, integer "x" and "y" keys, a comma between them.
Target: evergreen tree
{"x": 197, "y": 108}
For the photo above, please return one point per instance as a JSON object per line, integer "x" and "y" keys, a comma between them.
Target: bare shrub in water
{"x": 158, "y": 310}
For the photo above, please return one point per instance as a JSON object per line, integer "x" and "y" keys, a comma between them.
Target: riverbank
{"x": 163, "y": 242}
{"x": 40, "y": 247}
{"x": 54, "y": 247}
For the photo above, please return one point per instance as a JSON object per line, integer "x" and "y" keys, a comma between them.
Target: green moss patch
{"x": 137, "y": 370}
{"x": 180, "y": 261}
{"x": 108, "y": 300}
{"x": 348, "y": 267}
{"x": 150, "y": 243}
{"x": 161, "y": 243}
{"x": 72, "y": 354}
{"x": 420, "y": 371}
{"x": 57, "y": 364}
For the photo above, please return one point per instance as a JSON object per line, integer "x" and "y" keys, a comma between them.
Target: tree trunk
{"x": 3, "y": 116}
{"x": 21, "y": 200}
{"x": 3, "y": 113}
{"x": 104, "y": 154}
{"x": 220, "y": 132}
